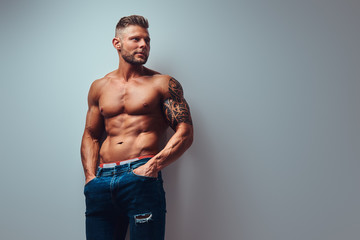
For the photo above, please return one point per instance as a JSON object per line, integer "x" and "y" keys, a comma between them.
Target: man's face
{"x": 135, "y": 45}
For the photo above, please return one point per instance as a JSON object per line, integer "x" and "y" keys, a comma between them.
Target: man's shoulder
{"x": 157, "y": 75}
{"x": 168, "y": 81}
{"x": 167, "y": 85}
{"x": 162, "y": 82}
{"x": 162, "y": 78}
{"x": 97, "y": 85}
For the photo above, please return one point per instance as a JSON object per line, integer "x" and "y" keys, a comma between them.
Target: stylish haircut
{"x": 130, "y": 20}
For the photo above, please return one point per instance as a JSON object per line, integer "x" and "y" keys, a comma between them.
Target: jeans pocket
{"x": 142, "y": 176}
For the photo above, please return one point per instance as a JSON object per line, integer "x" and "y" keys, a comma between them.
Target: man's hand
{"x": 144, "y": 170}
{"x": 88, "y": 179}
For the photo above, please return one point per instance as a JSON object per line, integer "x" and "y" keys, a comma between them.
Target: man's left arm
{"x": 177, "y": 113}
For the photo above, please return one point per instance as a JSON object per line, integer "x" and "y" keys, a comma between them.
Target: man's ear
{"x": 116, "y": 43}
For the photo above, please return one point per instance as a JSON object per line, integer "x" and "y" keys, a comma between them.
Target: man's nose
{"x": 142, "y": 43}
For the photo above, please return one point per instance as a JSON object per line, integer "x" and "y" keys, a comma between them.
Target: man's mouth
{"x": 141, "y": 54}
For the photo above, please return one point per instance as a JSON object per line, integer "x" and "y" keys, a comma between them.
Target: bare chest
{"x": 133, "y": 99}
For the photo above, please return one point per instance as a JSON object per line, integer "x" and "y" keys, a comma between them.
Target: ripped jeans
{"x": 118, "y": 198}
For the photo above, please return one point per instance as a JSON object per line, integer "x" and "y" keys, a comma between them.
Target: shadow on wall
{"x": 190, "y": 188}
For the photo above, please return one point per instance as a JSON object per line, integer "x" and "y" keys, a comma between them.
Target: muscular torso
{"x": 133, "y": 117}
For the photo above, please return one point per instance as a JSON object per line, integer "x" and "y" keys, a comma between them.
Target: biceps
{"x": 177, "y": 111}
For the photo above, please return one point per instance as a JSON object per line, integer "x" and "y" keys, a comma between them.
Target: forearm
{"x": 89, "y": 155}
{"x": 175, "y": 147}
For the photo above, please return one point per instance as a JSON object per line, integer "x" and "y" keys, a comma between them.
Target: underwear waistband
{"x": 111, "y": 165}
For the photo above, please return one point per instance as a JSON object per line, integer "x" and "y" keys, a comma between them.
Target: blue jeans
{"x": 117, "y": 198}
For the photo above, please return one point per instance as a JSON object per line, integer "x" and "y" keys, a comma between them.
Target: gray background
{"x": 274, "y": 93}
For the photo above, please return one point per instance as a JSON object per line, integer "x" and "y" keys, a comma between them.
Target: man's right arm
{"x": 94, "y": 128}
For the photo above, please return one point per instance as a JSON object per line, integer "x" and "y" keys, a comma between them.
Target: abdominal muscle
{"x": 130, "y": 137}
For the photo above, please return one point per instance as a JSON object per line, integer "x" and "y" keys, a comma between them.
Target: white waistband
{"x": 111, "y": 165}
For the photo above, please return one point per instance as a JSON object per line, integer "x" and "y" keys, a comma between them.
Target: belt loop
{"x": 98, "y": 172}
{"x": 132, "y": 164}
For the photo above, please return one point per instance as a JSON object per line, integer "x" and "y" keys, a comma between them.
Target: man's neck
{"x": 127, "y": 71}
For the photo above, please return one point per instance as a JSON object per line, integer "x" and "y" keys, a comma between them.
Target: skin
{"x": 134, "y": 106}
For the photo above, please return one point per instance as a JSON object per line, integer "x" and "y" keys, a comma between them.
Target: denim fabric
{"x": 118, "y": 198}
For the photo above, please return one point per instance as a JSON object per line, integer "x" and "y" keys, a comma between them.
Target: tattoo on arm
{"x": 175, "y": 108}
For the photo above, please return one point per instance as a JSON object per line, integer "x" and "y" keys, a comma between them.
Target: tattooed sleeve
{"x": 175, "y": 108}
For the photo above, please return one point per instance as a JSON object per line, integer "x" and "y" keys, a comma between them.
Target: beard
{"x": 130, "y": 58}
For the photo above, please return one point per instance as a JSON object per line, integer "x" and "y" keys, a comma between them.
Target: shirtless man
{"x": 134, "y": 106}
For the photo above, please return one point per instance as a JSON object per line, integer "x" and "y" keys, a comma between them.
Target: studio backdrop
{"x": 273, "y": 88}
